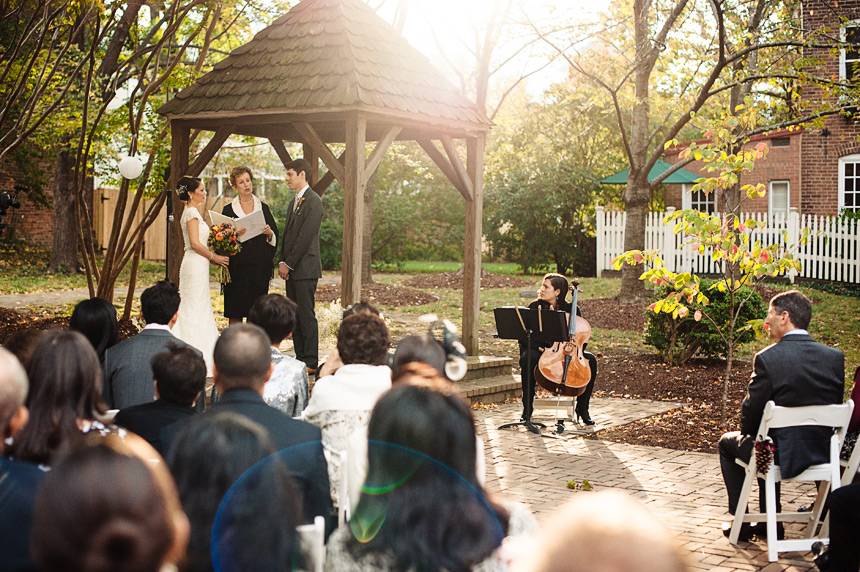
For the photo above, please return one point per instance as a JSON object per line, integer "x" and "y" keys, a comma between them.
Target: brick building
{"x": 816, "y": 171}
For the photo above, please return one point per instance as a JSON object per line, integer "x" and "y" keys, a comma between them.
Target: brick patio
{"x": 684, "y": 490}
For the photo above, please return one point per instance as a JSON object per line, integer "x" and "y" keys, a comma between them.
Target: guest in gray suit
{"x": 128, "y": 375}
{"x": 299, "y": 264}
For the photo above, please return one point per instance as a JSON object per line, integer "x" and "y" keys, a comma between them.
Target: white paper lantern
{"x": 130, "y": 167}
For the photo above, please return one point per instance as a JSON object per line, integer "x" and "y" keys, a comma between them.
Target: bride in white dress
{"x": 196, "y": 322}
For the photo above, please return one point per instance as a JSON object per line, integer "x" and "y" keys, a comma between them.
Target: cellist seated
{"x": 553, "y": 296}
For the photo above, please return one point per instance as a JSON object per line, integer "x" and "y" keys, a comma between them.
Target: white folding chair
{"x": 774, "y": 417}
{"x": 343, "y": 506}
{"x": 312, "y": 544}
{"x": 852, "y": 466}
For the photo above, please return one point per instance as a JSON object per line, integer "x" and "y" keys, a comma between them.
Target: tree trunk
{"x": 638, "y": 193}
{"x": 64, "y": 254}
{"x": 367, "y": 231}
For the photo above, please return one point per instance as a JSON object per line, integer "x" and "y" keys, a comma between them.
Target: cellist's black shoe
{"x": 586, "y": 419}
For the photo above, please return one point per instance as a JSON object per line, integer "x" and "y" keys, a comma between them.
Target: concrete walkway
{"x": 684, "y": 490}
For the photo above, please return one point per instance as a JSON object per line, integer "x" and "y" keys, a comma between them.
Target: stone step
{"x": 490, "y": 389}
{"x": 481, "y": 367}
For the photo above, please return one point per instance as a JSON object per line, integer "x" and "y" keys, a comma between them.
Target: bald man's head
{"x": 13, "y": 394}
{"x": 242, "y": 357}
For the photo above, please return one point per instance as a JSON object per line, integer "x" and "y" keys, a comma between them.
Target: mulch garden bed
{"x": 12, "y": 321}
{"x": 454, "y": 280}
{"x": 379, "y": 294}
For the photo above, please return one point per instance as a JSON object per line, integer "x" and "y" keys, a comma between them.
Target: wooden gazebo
{"x": 332, "y": 71}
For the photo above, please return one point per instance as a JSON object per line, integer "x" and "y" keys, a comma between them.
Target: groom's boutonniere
{"x": 299, "y": 204}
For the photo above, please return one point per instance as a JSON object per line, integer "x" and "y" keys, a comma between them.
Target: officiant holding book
{"x": 250, "y": 269}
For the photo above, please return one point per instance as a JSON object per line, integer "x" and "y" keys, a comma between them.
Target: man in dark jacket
{"x": 795, "y": 371}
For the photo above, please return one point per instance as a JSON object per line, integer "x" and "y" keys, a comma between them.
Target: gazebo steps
{"x": 489, "y": 380}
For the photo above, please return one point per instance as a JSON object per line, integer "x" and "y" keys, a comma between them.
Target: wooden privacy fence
{"x": 832, "y": 252}
{"x": 155, "y": 238}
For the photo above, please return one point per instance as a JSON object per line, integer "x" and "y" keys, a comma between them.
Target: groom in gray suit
{"x": 299, "y": 264}
{"x": 128, "y": 375}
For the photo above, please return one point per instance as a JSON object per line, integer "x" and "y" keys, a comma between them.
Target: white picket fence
{"x": 832, "y": 252}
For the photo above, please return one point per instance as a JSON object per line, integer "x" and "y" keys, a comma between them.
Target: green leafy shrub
{"x": 678, "y": 339}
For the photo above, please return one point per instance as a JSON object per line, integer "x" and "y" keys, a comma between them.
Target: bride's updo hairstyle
{"x": 186, "y": 186}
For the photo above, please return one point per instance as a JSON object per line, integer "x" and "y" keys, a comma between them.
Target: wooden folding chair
{"x": 774, "y": 417}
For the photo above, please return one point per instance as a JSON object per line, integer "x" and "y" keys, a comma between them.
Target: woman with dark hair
{"x": 208, "y": 456}
{"x": 64, "y": 398}
{"x": 422, "y": 506}
{"x": 287, "y": 387}
{"x": 96, "y": 320}
{"x": 340, "y": 404}
{"x": 422, "y": 348}
{"x": 552, "y": 296}
{"x": 250, "y": 269}
{"x": 195, "y": 324}
{"x": 131, "y": 521}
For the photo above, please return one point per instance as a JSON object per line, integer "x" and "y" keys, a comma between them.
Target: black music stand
{"x": 524, "y": 325}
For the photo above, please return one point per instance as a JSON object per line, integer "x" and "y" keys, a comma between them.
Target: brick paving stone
{"x": 683, "y": 489}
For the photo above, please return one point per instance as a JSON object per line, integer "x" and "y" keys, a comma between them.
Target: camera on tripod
{"x": 7, "y": 202}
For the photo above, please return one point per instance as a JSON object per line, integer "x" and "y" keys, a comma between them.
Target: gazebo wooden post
{"x": 179, "y": 143}
{"x": 353, "y": 210}
{"x": 472, "y": 244}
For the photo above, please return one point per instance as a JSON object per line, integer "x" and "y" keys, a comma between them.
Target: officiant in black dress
{"x": 250, "y": 269}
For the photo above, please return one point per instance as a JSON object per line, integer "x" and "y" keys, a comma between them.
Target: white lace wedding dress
{"x": 196, "y": 322}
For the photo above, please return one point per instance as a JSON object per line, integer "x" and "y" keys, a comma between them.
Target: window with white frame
{"x": 699, "y": 200}
{"x": 778, "y": 199}
{"x": 849, "y": 58}
{"x": 849, "y": 183}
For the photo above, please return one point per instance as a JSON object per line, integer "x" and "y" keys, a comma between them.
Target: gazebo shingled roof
{"x": 332, "y": 71}
{"x": 327, "y": 56}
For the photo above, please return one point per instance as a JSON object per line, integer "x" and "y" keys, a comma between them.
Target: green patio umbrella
{"x": 680, "y": 176}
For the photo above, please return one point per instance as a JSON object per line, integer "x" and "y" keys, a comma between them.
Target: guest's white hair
{"x": 13, "y": 386}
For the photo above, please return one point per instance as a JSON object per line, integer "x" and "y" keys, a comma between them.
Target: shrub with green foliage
{"x": 678, "y": 339}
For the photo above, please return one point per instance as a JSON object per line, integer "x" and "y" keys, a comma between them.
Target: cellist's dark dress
{"x": 582, "y": 401}
{"x": 250, "y": 269}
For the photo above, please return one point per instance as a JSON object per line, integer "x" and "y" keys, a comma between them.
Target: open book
{"x": 254, "y": 222}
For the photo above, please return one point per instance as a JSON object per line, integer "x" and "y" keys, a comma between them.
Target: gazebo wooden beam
{"x": 472, "y": 245}
{"x": 379, "y": 152}
{"x": 444, "y": 165}
{"x": 221, "y": 135}
{"x": 323, "y": 184}
{"x": 313, "y": 158}
{"x": 457, "y": 164}
{"x": 314, "y": 140}
{"x": 281, "y": 150}
{"x": 353, "y": 210}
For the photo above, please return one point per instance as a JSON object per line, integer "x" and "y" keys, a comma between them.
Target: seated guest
{"x": 332, "y": 360}
{"x": 843, "y": 553}
{"x": 19, "y": 480}
{"x": 209, "y": 456}
{"x": 287, "y": 388}
{"x": 602, "y": 532}
{"x": 128, "y": 375}
{"x": 341, "y": 403}
{"x": 22, "y": 343}
{"x": 63, "y": 364}
{"x": 96, "y": 320}
{"x": 437, "y": 517}
{"x": 421, "y": 348}
{"x": 130, "y": 521}
{"x": 242, "y": 365}
{"x": 180, "y": 377}
{"x": 793, "y": 372}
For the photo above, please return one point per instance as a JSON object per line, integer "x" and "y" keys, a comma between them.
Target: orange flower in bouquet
{"x": 224, "y": 241}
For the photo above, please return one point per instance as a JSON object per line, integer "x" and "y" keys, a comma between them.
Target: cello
{"x": 562, "y": 369}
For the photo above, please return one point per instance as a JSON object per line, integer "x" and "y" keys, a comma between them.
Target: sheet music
{"x": 254, "y": 223}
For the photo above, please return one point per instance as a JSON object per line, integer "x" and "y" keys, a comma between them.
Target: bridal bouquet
{"x": 224, "y": 241}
